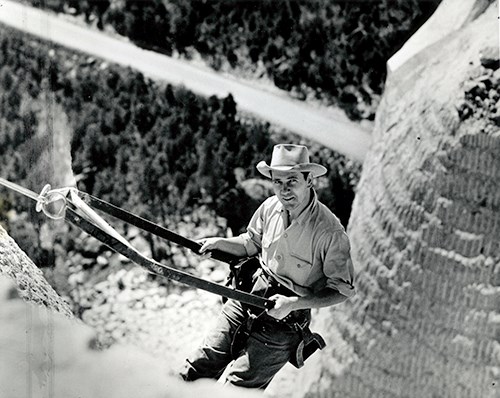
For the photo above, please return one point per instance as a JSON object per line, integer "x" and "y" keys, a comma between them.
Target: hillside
{"x": 317, "y": 50}
{"x": 102, "y": 109}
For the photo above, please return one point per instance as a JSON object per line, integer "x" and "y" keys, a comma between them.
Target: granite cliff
{"x": 424, "y": 232}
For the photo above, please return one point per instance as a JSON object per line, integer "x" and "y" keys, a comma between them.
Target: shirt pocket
{"x": 300, "y": 266}
{"x": 300, "y": 252}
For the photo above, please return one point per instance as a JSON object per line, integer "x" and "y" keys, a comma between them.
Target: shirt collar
{"x": 304, "y": 215}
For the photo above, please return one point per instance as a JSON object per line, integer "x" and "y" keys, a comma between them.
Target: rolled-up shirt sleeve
{"x": 337, "y": 265}
{"x": 253, "y": 236}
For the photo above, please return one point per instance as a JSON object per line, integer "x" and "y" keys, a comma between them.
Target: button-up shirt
{"x": 310, "y": 254}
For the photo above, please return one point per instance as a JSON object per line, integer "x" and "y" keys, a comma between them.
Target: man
{"x": 304, "y": 253}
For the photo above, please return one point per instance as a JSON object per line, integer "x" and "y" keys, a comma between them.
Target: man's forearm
{"x": 283, "y": 305}
{"x": 235, "y": 245}
{"x": 324, "y": 298}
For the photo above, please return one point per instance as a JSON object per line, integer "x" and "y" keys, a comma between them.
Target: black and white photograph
{"x": 249, "y": 198}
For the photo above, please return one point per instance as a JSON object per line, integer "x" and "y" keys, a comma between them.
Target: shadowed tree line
{"x": 335, "y": 50}
{"x": 157, "y": 150}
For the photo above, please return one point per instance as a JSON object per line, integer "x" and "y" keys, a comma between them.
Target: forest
{"x": 154, "y": 149}
{"x": 333, "y": 51}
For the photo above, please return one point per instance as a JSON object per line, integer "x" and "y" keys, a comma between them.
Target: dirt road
{"x": 327, "y": 126}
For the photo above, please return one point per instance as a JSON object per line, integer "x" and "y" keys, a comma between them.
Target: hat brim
{"x": 315, "y": 169}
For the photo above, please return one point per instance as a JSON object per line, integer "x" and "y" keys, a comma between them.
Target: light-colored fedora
{"x": 289, "y": 157}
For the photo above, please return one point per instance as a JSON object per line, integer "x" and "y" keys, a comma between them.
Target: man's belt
{"x": 276, "y": 287}
{"x": 265, "y": 285}
{"x": 298, "y": 320}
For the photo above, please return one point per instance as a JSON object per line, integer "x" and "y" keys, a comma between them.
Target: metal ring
{"x": 56, "y": 213}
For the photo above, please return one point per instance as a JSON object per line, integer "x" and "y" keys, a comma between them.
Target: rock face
{"x": 424, "y": 232}
{"x": 30, "y": 282}
{"x": 46, "y": 352}
{"x": 450, "y": 16}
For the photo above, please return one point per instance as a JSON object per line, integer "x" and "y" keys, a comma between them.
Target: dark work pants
{"x": 268, "y": 349}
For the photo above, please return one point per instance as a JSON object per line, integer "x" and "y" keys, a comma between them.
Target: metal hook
{"x": 40, "y": 201}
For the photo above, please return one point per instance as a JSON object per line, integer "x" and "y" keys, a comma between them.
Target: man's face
{"x": 291, "y": 188}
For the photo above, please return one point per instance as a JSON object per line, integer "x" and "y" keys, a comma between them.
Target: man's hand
{"x": 282, "y": 306}
{"x": 208, "y": 244}
{"x": 234, "y": 245}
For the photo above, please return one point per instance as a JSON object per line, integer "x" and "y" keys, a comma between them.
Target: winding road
{"x": 326, "y": 126}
